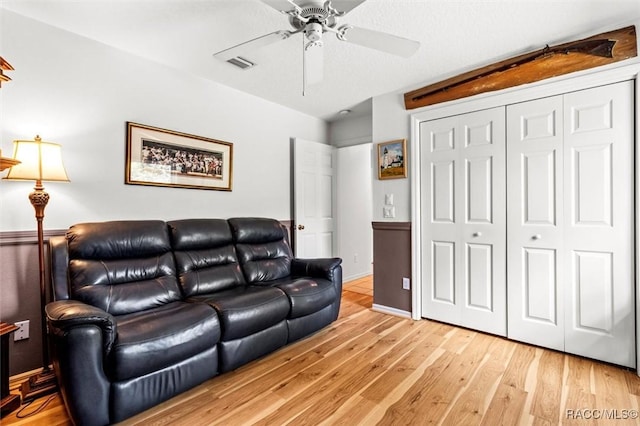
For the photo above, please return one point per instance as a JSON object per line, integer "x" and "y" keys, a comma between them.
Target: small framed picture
{"x": 392, "y": 157}
{"x": 161, "y": 157}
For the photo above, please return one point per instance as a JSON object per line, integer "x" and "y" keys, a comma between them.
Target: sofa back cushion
{"x": 122, "y": 266}
{"x": 263, "y": 248}
{"x": 206, "y": 259}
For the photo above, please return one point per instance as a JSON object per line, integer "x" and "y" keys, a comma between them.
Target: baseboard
{"x": 20, "y": 377}
{"x": 391, "y": 311}
{"x": 356, "y": 277}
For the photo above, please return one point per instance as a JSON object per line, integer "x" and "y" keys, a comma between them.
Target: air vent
{"x": 241, "y": 62}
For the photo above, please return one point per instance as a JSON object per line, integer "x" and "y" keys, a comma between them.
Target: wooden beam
{"x": 595, "y": 51}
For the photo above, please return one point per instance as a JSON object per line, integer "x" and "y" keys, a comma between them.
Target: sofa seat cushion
{"x": 307, "y": 295}
{"x": 156, "y": 338}
{"x": 245, "y": 310}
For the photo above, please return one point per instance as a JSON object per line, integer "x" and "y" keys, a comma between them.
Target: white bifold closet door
{"x": 570, "y": 223}
{"x": 463, "y": 204}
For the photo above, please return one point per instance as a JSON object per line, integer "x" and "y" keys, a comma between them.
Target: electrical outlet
{"x": 406, "y": 283}
{"x": 389, "y": 212}
{"x": 355, "y": 258}
{"x": 22, "y": 332}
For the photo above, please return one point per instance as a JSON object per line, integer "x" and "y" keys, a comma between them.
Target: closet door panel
{"x": 479, "y": 277}
{"x": 598, "y": 224}
{"x": 591, "y": 188}
{"x": 594, "y": 287}
{"x": 534, "y": 218}
{"x": 540, "y": 286}
{"x": 439, "y": 164}
{"x": 442, "y": 191}
{"x": 463, "y": 241}
{"x": 479, "y": 174}
{"x": 539, "y": 181}
{"x": 443, "y": 278}
{"x": 482, "y": 284}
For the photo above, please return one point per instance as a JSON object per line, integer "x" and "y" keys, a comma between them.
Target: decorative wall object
{"x": 392, "y": 157}
{"x": 598, "y": 50}
{"x": 4, "y": 66}
{"x": 160, "y": 157}
{"x": 6, "y": 162}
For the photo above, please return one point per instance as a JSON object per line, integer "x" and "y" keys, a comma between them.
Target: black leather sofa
{"x": 144, "y": 310}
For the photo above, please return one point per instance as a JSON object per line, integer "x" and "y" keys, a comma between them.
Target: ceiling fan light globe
{"x": 313, "y": 31}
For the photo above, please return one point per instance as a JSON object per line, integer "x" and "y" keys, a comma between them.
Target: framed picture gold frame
{"x": 392, "y": 159}
{"x": 161, "y": 157}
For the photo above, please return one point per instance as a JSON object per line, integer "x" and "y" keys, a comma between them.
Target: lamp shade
{"x": 39, "y": 161}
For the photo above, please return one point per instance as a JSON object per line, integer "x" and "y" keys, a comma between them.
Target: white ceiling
{"x": 455, "y": 36}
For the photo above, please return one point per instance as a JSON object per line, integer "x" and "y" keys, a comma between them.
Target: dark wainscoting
{"x": 391, "y": 262}
{"x": 20, "y": 289}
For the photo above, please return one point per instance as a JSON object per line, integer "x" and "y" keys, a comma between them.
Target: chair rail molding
{"x": 9, "y": 238}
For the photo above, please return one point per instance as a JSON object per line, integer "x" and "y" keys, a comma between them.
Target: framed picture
{"x": 392, "y": 158}
{"x": 161, "y": 157}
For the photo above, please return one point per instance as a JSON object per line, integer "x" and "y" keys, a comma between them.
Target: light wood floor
{"x": 370, "y": 368}
{"x": 362, "y": 285}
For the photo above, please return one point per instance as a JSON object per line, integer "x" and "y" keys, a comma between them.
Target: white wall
{"x": 390, "y": 122}
{"x": 351, "y": 131}
{"x": 79, "y": 93}
{"x": 352, "y": 136}
{"x": 355, "y": 235}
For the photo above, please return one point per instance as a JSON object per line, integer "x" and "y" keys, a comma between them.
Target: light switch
{"x": 406, "y": 283}
{"x": 389, "y": 212}
{"x": 388, "y": 199}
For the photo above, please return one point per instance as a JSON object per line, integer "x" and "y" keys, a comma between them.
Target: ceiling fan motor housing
{"x": 304, "y": 17}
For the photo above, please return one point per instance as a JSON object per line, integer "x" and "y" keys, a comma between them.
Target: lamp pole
{"x": 39, "y": 199}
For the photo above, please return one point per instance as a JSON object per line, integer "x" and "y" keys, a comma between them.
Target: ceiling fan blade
{"x": 313, "y": 63}
{"x": 377, "y": 40}
{"x": 346, "y": 6}
{"x": 281, "y": 5}
{"x": 251, "y": 45}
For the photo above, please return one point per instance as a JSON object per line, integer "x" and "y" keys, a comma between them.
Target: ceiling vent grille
{"x": 241, "y": 62}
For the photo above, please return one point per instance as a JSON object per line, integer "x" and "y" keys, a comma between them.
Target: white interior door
{"x": 463, "y": 244}
{"x": 534, "y": 222}
{"x": 598, "y": 223}
{"x": 314, "y": 188}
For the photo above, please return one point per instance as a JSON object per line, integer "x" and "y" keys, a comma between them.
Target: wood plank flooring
{"x": 370, "y": 368}
{"x": 362, "y": 285}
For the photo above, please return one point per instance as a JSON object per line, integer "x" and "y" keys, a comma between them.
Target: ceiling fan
{"x": 314, "y": 18}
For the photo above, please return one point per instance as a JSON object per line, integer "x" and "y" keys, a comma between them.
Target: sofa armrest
{"x": 318, "y": 268}
{"x": 81, "y": 336}
{"x": 63, "y": 315}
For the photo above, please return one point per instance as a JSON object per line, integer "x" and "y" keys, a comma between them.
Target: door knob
{"x": 300, "y": 227}
{"x": 477, "y": 234}
{"x": 536, "y": 237}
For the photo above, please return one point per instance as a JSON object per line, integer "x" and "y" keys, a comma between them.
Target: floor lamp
{"x": 39, "y": 161}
